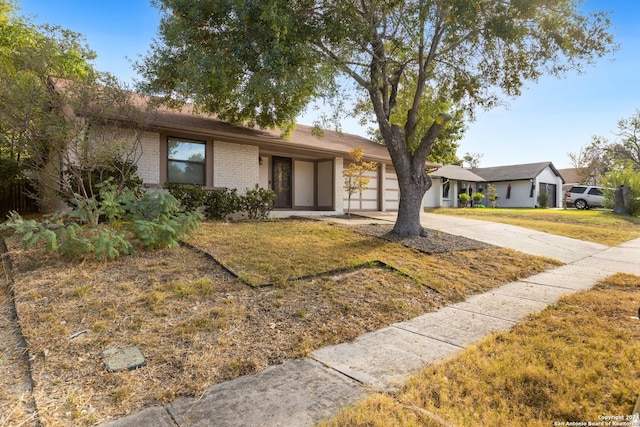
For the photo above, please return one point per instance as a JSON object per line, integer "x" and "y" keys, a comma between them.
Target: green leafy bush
{"x": 69, "y": 238}
{"x": 191, "y": 197}
{"x": 107, "y": 206}
{"x": 627, "y": 177}
{"x": 258, "y": 202}
{"x": 153, "y": 220}
{"x": 157, "y": 220}
{"x": 222, "y": 202}
{"x": 107, "y": 243}
{"x": 10, "y": 173}
{"x": 543, "y": 200}
{"x": 33, "y": 231}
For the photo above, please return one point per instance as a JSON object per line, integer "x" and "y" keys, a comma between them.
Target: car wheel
{"x": 581, "y": 204}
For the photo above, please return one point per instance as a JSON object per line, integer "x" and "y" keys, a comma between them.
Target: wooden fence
{"x": 18, "y": 198}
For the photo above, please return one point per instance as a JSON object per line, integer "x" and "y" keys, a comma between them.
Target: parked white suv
{"x": 585, "y": 196}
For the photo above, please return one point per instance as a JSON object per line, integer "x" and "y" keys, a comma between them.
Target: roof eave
{"x": 266, "y": 141}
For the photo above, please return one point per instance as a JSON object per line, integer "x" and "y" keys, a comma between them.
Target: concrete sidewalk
{"x": 302, "y": 392}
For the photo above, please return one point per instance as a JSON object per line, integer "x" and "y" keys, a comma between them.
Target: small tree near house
{"x": 355, "y": 180}
{"x": 492, "y": 194}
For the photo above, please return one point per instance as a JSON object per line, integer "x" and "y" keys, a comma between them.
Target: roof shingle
{"x": 301, "y": 139}
{"x": 457, "y": 173}
{"x": 514, "y": 172}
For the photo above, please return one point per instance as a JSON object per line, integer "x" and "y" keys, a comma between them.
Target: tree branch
{"x": 424, "y": 64}
{"x": 426, "y": 143}
{"x": 342, "y": 65}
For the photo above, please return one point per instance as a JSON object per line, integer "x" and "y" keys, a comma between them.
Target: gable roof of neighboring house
{"x": 515, "y": 172}
{"x": 457, "y": 173}
{"x": 578, "y": 176}
{"x": 569, "y": 174}
{"x": 301, "y": 141}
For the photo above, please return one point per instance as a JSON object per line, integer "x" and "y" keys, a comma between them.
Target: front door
{"x": 282, "y": 182}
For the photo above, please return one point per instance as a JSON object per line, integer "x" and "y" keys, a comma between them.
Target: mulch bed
{"x": 430, "y": 242}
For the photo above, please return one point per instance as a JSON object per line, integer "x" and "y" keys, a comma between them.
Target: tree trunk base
{"x": 408, "y": 223}
{"x": 622, "y": 200}
{"x": 408, "y": 231}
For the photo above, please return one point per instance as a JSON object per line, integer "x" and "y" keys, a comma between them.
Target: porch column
{"x": 338, "y": 180}
{"x": 453, "y": 193}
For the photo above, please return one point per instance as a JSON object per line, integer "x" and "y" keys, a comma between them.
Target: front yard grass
{"x": 599, "y": 226}
{"x": 197, "y": 325}
{"x": 263, "y": 253}
{"x": 577, "y": 361}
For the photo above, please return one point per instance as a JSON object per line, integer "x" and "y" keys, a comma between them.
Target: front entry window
{"x": 186, "y": 161}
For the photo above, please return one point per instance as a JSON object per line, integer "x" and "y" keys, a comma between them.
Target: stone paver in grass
{"x": 121, "y": 359}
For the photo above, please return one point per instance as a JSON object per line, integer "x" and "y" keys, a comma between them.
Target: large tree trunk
{"x": 411, "y": 194}
{"x": 409, "y": 162}
{"x": 413, "y": 182}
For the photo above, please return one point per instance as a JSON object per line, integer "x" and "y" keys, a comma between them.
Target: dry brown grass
{"x": 260, "y": 253}
{"x": 576, "y": 361}
{"x": 197, "y": 325}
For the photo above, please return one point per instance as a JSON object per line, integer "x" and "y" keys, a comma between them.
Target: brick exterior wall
{"x": 116, "y": 139}
{"x": 149, "y": 162}
{"x": 235, "y": 165}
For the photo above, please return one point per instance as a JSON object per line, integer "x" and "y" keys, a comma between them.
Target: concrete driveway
{"x": 520, "y": 239}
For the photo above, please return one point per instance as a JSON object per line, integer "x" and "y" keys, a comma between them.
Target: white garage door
{"x": 391, "y": 190}
{"x": 368, "y": 199}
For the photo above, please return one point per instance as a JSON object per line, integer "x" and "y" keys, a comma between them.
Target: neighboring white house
{"x": 448, "y": 182}
{"x": 517, "y": 186}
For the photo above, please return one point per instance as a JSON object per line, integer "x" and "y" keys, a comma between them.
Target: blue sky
{"x": 550, "y": 119}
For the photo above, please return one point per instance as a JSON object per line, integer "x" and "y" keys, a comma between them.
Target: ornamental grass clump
{"x": 464, "y": 199}
{"x": 477, "y": 197}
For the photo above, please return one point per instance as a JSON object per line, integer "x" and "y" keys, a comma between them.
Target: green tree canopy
{"x": 263, "y": 61}
{"x": 445, "y": 148}
{"x": 29, "y": 56}
{"x": 603, "y": 155}
{"x": 59, "y": 117}
{"x": 625, "y": 149}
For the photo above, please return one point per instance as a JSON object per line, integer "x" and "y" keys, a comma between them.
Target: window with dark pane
{"x": 186, "y": 161}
